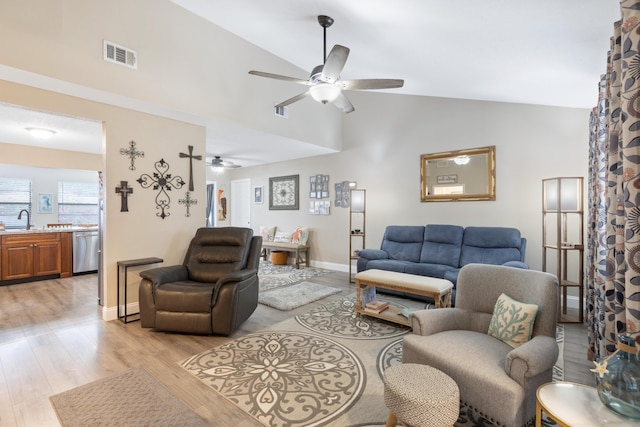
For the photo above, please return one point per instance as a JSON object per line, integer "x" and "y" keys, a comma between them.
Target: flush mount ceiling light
{"x": 461, "y": 160}
{"x": 41, "y": 133}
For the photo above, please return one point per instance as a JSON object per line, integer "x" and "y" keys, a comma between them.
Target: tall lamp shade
{"x": 357, "y": 201}
{"x": 569, "y": 198}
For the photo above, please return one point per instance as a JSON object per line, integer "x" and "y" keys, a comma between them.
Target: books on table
{"x": 376, "y": 306}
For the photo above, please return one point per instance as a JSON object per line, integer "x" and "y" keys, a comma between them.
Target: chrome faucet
{"x": 28, "y": 217}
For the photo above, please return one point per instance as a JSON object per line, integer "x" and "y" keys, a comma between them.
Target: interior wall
{"x": 185, "y": 63}
{"x": 383, "y": 156}
{"x": 140, "y": 232}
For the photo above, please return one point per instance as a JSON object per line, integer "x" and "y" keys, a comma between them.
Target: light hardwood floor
{"x": 52, "y": 339}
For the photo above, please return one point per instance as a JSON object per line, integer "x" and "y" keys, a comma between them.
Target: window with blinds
{"x": 78, "y": 202}
{"x": 15, "y": 195}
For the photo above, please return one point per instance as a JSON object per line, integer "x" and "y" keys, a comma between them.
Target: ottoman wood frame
{"x": 438, "y": 289}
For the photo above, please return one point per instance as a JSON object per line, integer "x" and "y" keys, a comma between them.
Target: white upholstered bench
{"x": 438, "y": 289}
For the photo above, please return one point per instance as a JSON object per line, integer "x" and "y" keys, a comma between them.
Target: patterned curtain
{"x": 613, "y": 240}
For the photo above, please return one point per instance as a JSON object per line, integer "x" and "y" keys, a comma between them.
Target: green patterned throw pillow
{"x": 512, "y": 321}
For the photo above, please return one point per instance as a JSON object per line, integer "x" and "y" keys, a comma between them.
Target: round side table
{"x": 571, "y": 404}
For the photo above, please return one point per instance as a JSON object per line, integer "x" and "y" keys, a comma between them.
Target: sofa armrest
{"x": 160, "y": 275}
{"x": 373, "y": 254}
{"x": 429, "y": 322}
{"x": 517, "y": 264}
{"x": 532, "y": 358}
{"x": 237, "y": 276}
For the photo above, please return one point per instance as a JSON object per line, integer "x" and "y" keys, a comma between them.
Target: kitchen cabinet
{"x": 30, "y": 255}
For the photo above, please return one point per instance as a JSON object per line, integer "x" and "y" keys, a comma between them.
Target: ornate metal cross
{"x": 132, "y": 153}
{"x": 191, "y": 157}
{"x": 162, "y": 182}
{"x": 188, "y": 202}
{"x": 124, "y": 190}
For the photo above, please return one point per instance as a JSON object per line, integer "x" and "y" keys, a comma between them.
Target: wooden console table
{"x": 126, "y": 264}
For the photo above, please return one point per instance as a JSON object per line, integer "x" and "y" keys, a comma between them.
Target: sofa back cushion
{"x": 491, "y": 245}
{"x": 403, "y": 242}
{"x": 215, "y": 252}
{"x": 442, "y": 244}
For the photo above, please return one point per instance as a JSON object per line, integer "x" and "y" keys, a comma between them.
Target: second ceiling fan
{"x": 324, "y": 83}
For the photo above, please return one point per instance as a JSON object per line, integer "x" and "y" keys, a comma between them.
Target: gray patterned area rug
{"x": 324, "y": 367}
{"x": 129, "y": 398}
{"x": 273, "y": 276}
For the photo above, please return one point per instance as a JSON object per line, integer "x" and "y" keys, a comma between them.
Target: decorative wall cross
{"x": 191, "y": 157}
{"x": 124, "y": 190}
{"x": 132, "y": 153}
{"x": 188, "y": 202}
{"x": 161, "y": 182}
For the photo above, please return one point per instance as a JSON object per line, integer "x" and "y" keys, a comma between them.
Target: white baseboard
{"x": 111, "y": 313}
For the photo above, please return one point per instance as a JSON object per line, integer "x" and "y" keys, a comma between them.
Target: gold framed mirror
{"x": 459, "y": 175}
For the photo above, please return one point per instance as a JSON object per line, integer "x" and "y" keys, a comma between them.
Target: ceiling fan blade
{"x": 364, "y": 84}
{"x": 334, "y": 64}
{"x": 343, "y": 103}
{"x": 279, "y": 77}
{"x": 294, "y": 99}
{"x": 230, "y": 165}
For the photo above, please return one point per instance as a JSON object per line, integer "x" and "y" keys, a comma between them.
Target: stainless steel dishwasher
{"x": 86, "y": 245}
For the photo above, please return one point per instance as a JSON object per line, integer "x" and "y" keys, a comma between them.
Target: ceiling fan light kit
{"x": 324, "y": 81}
{"x": 324, "y": 92}
{"x": 218, "y": 165}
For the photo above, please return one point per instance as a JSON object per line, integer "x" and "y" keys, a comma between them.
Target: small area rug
{"x": 273, "y": 276}
{"x": 129, "y": 398}
{"x": 323, "y": 367}
{"x": 289, "y": 297}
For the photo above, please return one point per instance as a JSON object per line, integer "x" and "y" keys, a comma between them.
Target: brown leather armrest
{"x": 161, "y": 275}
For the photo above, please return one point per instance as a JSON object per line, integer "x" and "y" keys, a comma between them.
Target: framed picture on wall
{"x": 283, "y": 193}
{"x": 45, "y": 203}
{"x": 258, "y": 195}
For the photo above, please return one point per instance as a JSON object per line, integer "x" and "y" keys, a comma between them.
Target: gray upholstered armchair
{"x": 214, "y": 290}
{"x": 495, "y": 379}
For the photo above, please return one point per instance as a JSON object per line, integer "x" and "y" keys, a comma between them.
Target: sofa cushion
{"x": 442, "y": 244}
{"x": 388, "y": 264}
{"x": 512, "y": 321}
{"x": 427, "y": 269}
{"x": 403, "y": 242}
{"x": 490, "y": 245}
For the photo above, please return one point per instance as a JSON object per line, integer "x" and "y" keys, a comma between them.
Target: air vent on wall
{"x": 282, "y": 112}
{"x": 120, "y": 55}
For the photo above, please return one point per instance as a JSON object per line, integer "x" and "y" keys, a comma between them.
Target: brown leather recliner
{"x": 214, "y": 290}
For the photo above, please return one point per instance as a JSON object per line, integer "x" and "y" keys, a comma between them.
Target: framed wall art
{"x": 258, "y": 195}
{"x": 45, "y": 203}
{"x": 284, "y": 193}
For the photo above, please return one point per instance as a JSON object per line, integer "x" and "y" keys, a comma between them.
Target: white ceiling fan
{"x": 324, "y": 82}
{"x": 218, "y": 164}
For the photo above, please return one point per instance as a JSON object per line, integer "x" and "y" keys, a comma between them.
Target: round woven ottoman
{"x": 419, "y": 395}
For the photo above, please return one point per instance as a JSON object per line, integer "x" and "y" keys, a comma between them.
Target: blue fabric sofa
{"x": 441, "y": 250}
